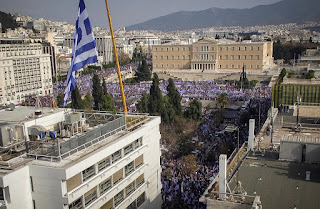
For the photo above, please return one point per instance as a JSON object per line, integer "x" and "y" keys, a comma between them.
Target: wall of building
{"x": 166, "y": 57}
{"x": 24, "y": 71}
{"x": 19, "y": 187}
{"x": 214, "y": 55}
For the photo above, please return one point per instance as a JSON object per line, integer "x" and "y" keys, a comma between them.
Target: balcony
{"x": 105, "y": 174}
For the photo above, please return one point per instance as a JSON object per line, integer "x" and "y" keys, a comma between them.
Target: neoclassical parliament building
{"x": 213, "y": 56}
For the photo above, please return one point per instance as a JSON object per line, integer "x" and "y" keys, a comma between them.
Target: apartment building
{"x": 104, "y": 47}
{"x": 214, "y": 56}
{"x": 72, "y": 160}
{"x": 24, "y": 71}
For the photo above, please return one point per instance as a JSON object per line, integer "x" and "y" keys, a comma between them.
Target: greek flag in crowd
{"x": 84, "y": 49}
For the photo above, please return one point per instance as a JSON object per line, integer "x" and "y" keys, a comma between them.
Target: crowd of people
{"x": 183, "y": 191}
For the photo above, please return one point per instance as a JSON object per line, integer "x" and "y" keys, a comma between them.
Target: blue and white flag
{"x": 84, "y": 49}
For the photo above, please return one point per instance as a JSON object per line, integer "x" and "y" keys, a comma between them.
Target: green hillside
{"x": 7, "y": 21}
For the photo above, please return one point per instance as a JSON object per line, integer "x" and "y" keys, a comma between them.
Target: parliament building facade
{"x": 214, "y": 56}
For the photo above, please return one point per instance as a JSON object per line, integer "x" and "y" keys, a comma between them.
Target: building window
{"x": 76, "y": 204}
{"x": 212, "y": 48}
{"x": 232, "y": 66}
{"x": 129, "y": 189}
{"x": 245, "y": 48}
{"x": 258, "y": 48}
{"x": 226, "y": 57}
{"x": 252, "y": 48}
{"x": 258, "y": 57}
{"x": 89, "y": 172}
{"x": 239, "y": 66}
{"x": 184, "y": 48}
{"x": 172, "y": 49}
{"x": 116, "y": 156}
{"x": 103, "y": 164}
{"x": 251, "y": 57}
{"x": 220, "y": 57}
{"x": 239, "y": 48}
{"x": 167, "y": 49}
{"x": 227, "y": 48}
{"x": 118, "y": 198}
{"x": 90, "y": 198}
{"x": 156, "y": 57}
{"x": 141, "y": 199}
{"x": 233, "y": 48}
{"x": 132, "y": 205}
{"x": 172, "y": 57}
{"x": 220, "y": 66}
{"x": 105, "y": 186}
{"x": 227, "y": 66}
{"x": 167, "y": 57}
{"x": 258, "y": 66}
{"x": 128, "y": 149}
{"x": 220, "y": 48}
{"x": 239, "y": 57}
{"x": 245, "y": 57}
{"x": 129, "y": 168}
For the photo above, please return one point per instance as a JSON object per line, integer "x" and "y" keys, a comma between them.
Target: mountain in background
{"x": 286, "y": 11}
{"x": 7, "y": 21}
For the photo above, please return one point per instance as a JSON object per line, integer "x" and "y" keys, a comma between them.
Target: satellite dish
{"x": 12, "y": 106}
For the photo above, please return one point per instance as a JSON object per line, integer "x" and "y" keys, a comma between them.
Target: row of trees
{"x": 288, "y": 51}
{"x": 169, "y": 106}
{"x": 100, "y": 98}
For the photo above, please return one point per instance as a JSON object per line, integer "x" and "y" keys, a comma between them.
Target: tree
{"x": 309, "y": 75}
{"x": 185, "y": 145}
{"x": 282, "y": 75}
{"x": 142, "y": 104}
{"x": 168, "y": 113}
{"x": 123, "y": 58}
{"x": 104, "y": 87}
{"x": 76, "y": 100}
{"x": 97, "y": 92}
{"x": 194, "y": 111}
{"x": 189, "y": 164}
{"x": 107, "y": 103}
{"x": 222, "y": 100}
{"x": 174, "y": 97}
{"x": 143, "y": 73}
{"x": 60, "y": 99}
{"x": 87, "y": 102}
{"x": 155, "y": 105}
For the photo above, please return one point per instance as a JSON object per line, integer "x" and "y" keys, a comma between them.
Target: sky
{"x": 123, "y": 12}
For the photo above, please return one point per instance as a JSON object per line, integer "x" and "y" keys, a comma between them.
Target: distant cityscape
{"x": 219, "y": 117}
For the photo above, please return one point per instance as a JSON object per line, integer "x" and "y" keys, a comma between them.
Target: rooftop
{"x": 77, "y": 134}
{"x": 280, "y": 184}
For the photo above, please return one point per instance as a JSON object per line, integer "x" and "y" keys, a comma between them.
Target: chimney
{"x": 251, "y": 134}
{"x": 222, "y": 176}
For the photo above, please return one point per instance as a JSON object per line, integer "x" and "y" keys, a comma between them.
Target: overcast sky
{"x": 123, "y": 12}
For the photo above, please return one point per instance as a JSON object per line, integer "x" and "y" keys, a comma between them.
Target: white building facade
{"x": 119, "y": 169}
{"x": 24, "y": 71}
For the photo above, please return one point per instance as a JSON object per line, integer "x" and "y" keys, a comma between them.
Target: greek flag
{"x": 84, "y": 49}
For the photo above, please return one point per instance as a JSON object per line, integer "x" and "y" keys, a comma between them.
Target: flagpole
{"x": 117, "y": 61}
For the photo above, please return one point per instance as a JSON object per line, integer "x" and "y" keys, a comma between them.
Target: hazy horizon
{"x": 123, "y": 12}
